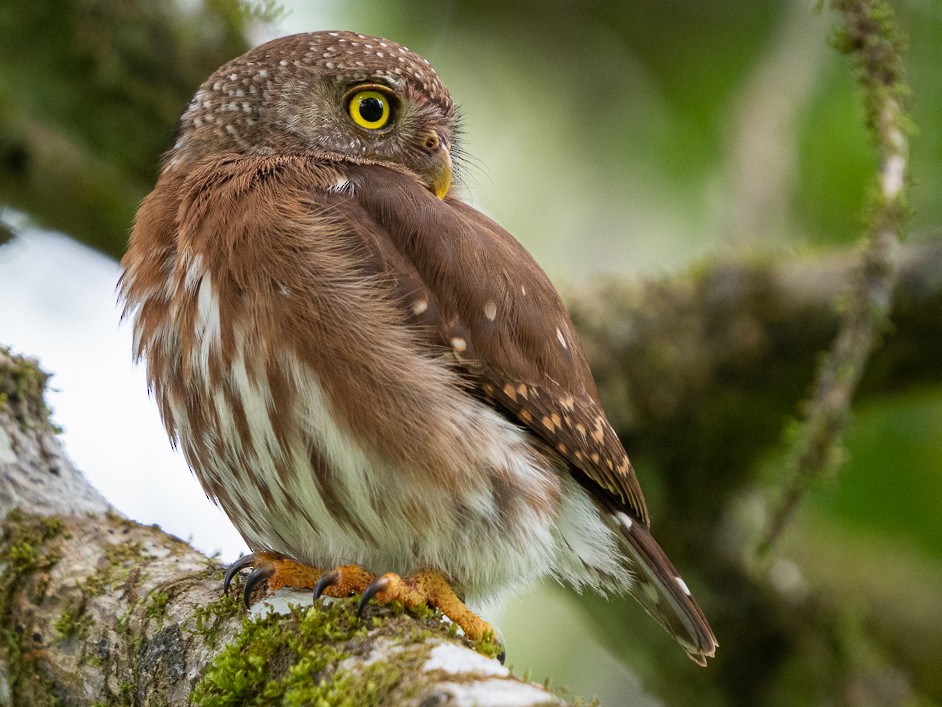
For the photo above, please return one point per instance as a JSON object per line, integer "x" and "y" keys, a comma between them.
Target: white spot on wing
{"x": 419, "y": 306}
{"x": 625, "y": 521}
{"x": 683, "y": 585}
{"x": 490, "y": 310}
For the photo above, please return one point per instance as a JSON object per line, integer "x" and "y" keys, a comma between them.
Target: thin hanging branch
{"x": 869, "y": 34}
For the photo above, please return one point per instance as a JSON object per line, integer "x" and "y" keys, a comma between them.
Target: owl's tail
{"x": 663, "y": 594}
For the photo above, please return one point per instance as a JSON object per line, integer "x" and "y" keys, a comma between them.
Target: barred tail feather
{"x": 664, "y": 595}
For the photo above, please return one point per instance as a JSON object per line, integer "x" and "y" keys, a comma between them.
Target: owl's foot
{"x": 425, "y": 588}
{"x": 428, "y": 588}
{"x": 343, "y": 581}
{"x": 278, "y": 571}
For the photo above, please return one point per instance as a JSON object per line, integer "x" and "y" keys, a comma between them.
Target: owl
{"x": 376, "y": 382}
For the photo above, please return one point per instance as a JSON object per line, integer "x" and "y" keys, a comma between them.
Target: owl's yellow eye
{"x": 371, "y": 108}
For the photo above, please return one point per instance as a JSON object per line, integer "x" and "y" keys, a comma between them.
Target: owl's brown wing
{"x": 482, "y": 295}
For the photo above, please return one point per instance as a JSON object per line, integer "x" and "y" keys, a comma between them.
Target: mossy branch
{"x": 869, "y": 34}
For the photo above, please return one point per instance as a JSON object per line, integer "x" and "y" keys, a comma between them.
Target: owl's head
{"x": 342, "y": 94}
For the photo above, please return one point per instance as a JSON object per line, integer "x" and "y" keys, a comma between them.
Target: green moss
{"x": 368, "y": 686}
{"x": 122, "y": 625}
{"x": 295, "y": 659}
{"x": 253, "y": 668}
{"x": 126, "y": 690}
{"x": 870, "y": 35}
{"x": 22, "y": 385}
{"x": 27, "y": 551}
{"x": 73, "y": 622}
{"x": 121, "y": 559}
{"x": 25, "y": 547}
{"x": 207, "y": 620}
{"x": 157, "y": 607}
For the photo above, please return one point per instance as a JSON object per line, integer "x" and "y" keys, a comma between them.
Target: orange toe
{"x": 287, "y": 573}
{"x": 424, "y": 588}
{"x": 343, "y": 581}
{"x": 275, "y": 570}
{"x": 429, "y": 588}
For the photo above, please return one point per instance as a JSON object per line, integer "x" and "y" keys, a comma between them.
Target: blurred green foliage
{"x": 892, "y": 481}
{"x": 90, "y": 91}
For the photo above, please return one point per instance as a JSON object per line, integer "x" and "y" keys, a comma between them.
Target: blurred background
{"x": 637, "y": 142}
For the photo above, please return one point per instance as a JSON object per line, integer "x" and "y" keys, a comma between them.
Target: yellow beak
{"x": 441, "y": 180}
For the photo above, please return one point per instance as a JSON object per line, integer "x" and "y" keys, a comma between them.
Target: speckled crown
{"x": 227, "y": 105}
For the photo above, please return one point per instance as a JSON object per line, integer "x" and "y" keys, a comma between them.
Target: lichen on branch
{"x": 870, "y": 36}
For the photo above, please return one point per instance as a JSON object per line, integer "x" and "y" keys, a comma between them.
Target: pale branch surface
{"x": 37, "y": 475}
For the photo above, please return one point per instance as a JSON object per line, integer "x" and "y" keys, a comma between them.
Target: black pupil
{"x": 371, "y": 109}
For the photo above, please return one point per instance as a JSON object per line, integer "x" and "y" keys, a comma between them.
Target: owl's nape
{"x": 377, "y": 383}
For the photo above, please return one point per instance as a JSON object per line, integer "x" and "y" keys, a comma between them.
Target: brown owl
{"x": 375, "y": 381}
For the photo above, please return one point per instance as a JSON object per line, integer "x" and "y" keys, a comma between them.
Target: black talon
{"x": 376, "y": 586}
{"x": 499, "y": 640}
{"x": 258, "y": 574}
{"x": 328, "y": 580}
{"x": 234, "y": 569}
